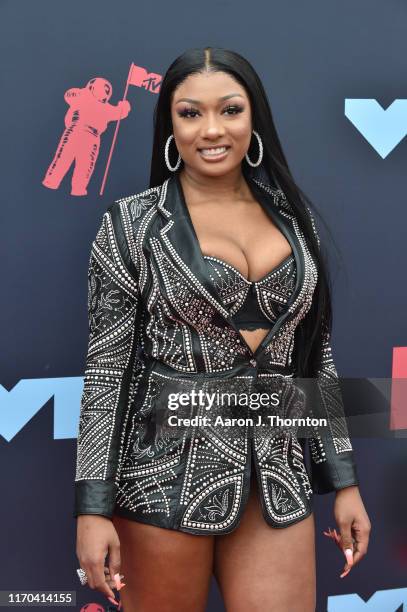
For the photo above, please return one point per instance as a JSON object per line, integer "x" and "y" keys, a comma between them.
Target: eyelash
{"x": 186, "y": 112}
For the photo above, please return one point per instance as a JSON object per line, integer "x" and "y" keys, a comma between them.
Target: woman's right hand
{"x": 96, "y": 538}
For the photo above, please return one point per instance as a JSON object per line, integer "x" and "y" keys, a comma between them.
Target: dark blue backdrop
{"x": 311, "y": 57}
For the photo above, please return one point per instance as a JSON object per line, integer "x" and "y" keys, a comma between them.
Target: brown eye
{"x": 187, "y": 112}
{"x": 236, "y": 109}
{"x": 192, "y": 112}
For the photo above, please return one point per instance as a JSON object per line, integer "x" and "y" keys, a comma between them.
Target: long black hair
{"x": 273, "y": 170}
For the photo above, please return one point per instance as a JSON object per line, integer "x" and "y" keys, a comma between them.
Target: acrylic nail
{"x": 116, "y": 603}
{"x": 349, "y": 555}
{"x": 119, "y": 583}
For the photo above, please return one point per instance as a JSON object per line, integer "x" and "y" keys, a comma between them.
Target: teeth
{"x": 213, "y": 151}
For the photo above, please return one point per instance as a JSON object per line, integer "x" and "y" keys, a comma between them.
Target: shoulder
{"x": 126, "y": 220}
{"x": 135, "y": 206}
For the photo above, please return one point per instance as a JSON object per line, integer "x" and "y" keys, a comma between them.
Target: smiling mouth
{"x": 214, "y": 150}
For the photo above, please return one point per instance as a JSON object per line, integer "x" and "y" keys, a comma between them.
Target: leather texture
{"x": 158, "y": 325}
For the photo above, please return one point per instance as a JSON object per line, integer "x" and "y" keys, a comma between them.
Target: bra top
{"x": 246, "y": 299}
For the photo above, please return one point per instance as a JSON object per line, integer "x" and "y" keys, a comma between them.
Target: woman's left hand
{"x": 354, "y": 526}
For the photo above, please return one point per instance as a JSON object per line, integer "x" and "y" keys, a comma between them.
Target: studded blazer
{"x": 158, "y": 324}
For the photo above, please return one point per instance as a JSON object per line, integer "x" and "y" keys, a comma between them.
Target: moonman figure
{"x": 86, "y": 119}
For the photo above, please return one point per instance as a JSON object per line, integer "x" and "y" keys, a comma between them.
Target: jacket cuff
{"x": 95, "y": 497}
{"x": 337, "y": 473}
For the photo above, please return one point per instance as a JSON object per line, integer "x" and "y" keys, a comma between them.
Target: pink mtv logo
{"x": 87, "y": 118}
{"x": 141, "y": 78}
{"x": 398, "y": 416}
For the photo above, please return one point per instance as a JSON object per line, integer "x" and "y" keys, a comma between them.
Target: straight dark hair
{"x": 273, "y": 170}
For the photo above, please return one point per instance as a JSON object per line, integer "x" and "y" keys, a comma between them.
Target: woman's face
{"x": 203, "y": 120}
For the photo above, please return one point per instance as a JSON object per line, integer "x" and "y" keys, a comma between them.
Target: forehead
{"x": 208, "y": 87}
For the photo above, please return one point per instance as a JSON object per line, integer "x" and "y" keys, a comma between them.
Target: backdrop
{"x": 334, "y": 73}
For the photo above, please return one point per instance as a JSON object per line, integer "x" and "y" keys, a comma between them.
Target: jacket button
{"x": 253, "y": 362}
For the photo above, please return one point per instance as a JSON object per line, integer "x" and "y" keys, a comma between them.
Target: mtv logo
{"x": 390, "y": 600}
{"x": 141, "y": 78}
{"x": 28, "y": 396}
{"x": 383, "y": 129}
{"x": 398, "y": 416}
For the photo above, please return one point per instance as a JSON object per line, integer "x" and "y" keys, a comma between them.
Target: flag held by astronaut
{"x": 139, "y": 77}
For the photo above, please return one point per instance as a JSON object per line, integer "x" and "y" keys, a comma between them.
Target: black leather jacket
{"x": 157, "y": 325}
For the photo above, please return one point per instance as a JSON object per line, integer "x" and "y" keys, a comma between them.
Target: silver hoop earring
{"x": 167, "y": 159}
{"x": 258, "y": 162}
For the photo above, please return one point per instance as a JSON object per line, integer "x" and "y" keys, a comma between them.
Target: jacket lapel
{"x": 287, "y": 223}
{"x": 179, "y": 240}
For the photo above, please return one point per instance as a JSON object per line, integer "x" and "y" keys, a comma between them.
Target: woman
{"x": 210, "y": 279}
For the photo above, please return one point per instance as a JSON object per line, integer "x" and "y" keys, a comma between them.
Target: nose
{"x": 213, "y": 127}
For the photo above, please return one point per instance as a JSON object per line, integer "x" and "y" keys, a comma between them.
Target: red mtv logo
{"x": 139, "y": 77}
{"x": 398, "y": 416}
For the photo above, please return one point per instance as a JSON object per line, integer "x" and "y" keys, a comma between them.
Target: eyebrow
{"x": 232, "y": 95}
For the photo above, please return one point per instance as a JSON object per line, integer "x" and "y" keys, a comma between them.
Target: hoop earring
{"x": 258, "y": 162}
{"x": 167, "y": 159}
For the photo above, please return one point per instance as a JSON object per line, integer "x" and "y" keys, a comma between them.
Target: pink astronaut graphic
{"x": 93, "y": 607}
{"x": 86, "y": 119}
{"x": 88, "y": 116}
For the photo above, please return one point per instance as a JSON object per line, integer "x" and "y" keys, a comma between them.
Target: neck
{"x": 231, "y": 185}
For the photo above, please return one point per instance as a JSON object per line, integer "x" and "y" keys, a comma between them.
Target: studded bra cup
{"x": 245, "y": 298}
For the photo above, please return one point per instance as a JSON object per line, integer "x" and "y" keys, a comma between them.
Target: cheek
{"x": 185, "y": 133}
{"x": 241, "y": 131}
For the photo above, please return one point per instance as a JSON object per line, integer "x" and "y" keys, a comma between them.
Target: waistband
{"x": 244, "y": 371}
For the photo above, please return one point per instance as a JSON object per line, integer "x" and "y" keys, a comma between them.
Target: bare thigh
{"x": 163, "y": 569}
{"x": 261, "y": 568}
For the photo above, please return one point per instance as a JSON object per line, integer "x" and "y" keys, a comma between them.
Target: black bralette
{"x": 253, "y": 304}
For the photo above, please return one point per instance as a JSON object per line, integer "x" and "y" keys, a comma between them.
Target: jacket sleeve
{"x": 332, "y": 461}
{"x": 113, "y": 301}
